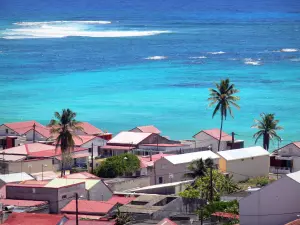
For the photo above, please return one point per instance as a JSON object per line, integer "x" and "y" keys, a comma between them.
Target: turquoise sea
{"x": 120, "y": 64}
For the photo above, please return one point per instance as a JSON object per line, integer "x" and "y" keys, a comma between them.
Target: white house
{"x": 209, "y": 139}
{"x": 173, "y": 168}
{"x": 245, "y": 163}
{"x": 88, "y": 141}
{"x": 275, "y": 204}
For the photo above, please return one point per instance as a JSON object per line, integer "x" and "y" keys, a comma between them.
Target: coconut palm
{"x": 267, "y": 127}
{"x": 223, "y": 98}
{"x": 198, "y": 168}
{"x": 63, "y": 129}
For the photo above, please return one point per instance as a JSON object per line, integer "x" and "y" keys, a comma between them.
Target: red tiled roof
{"x": 22, "y": 127}
{"x": 166, "y": 221}
{"x": 88, "y": 207}
{"x": 149, "y": 129}
{"x": 215, "y": 133}
{"x": 44, "y": 131}
{"x": 294, "y": 222}
{"x": 117, "y": 147}
{"x": 51, "y": 153}
{"x": 226, "y": 215}
{"x": 81, "y": 175}
{"x": 22, "y": 203}
{"x": 90, "y": 129}
{"x": 145, "y": 160}
{"x": 120, "y": 199}
{"x": 29, "y": 148}
{"x": 82, "y": 139}
{"x": 33, "y": 218}
{"x": 165, "y": 145}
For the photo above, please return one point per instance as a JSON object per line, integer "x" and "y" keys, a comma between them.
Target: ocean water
{"x": 120, "y": 64}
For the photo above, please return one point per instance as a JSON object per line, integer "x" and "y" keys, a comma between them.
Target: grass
{"x": 255, "y": 182}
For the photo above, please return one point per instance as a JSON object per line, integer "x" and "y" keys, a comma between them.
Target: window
{"x": 160, "y": 180}
{"x": 64, "y": 196}
{"x": 90, "y": 149}
{"x": 6, "y": 131}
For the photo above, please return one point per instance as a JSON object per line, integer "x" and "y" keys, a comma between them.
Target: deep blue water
{"x": 152, "y": 63}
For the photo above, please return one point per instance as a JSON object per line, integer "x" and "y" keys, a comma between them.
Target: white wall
{"x": 3, "y": 131}
{"x": 205, "y": 140}
{"x": 38, "y": 137}
{"x": 162, "y": 148}
{"x": 296, "y": 164}
{"x": 96, "y": 142}
{"x": 246, "y": 168}
{"x": 272, "y": 205}
{"x": 289, "y": 150}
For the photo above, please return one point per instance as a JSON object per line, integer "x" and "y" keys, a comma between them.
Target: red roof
{"x": 226, "y": 215}
{"x": 81, "y": 175}
{"x": 294, "y": 222}
{"x": 22, "y": 203}
{"x": 33, "y": 218}
{"x": 24, "y": 127}
{"x": 82, "y": 139}
{"x": 297, "y": 144}
{"x": 3, "y": 191}
{"x": 90, "y": 129}
{"x": 145, "y": 160}
{"x": 215, "y": 133}
{"x": 27, "y": 149}
{"x": 51, "y": 153}
{"x": 165, "y": 145}
{"x": 88, "y": 207}
{"x": 166, "y": 221}
{"x": 35, "y": 182}
{"x": 73, "y": 216}
{"x": 120, "y": 199}
{"x": 148, "y": 129}
{"x": 90, "y": 222}
{"x": 117, "y": 147}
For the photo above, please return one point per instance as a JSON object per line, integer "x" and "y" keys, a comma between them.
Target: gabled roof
{"x": 215, "y": 133}
{"x": 24, "y": 127}
{"x": 166, "y": 221}
{"x": 61, "y": 182}
{"x": 120, "y": 199}
{"x": 147, "y": 129}
{"x": 243, "y": 153}
{"x": 82, "y": 139}
{"x": 189, "y": 157}
{"x": 145, "y": 161}
{"x": 90, "y": 129}
{"x": 15, "y": 177}
{"x": 32, "y": 219}
{"x": 88, "y": 207}
{"x": 53, "y": 152}
{"x": 297, "y": 144}
{"x": 27, "y": 149}
{"x": 81, "y": 175}
{"x": 127, "y": 137}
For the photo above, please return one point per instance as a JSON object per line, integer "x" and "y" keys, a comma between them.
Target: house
{"x": 89, "y": 142}
{"x": 89, "y": 129}
{"x": 127, "y": 141}
{"x": 146, "y": 129}
{"x": 286, "y": 159}
{"x": 274, "y": 204}
{"x": 81, "y": 175}
{"x": 209, "y": 139}
{"x": 245, "y": 163}
{"x": 173, "y": 148}
{"x": 57, "y": 197}
{"x": 147, "y": 162}
{"x": 85, "y": 207}
{"x": 173, "y": 168}
{"x": 127, "y": 183}
{"x": 45, "y": 176}
{"x": 14, "y": 178}
{"x": 33, "y": 218}
{"x": 96, "y": 189}
{"x": 32, "y": 130}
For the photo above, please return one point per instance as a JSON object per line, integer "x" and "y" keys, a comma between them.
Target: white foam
{"x": 249, "y": 61}
{"x": 62, "y": 22}
{"x": 157, "y": 57}
{"x": 295, "y": 60}
{"x": 289, "y": 50}
{"x": 217, "y": 53}
{"x": 198, "y": 57}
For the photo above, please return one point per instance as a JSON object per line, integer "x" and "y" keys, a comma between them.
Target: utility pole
{"x": 76, "y": 196}
{"x": 232, "y": 141}
{"x": 211, "y": 184}
{"x": 33, "y": 136}
{"x": 92, "y": 157}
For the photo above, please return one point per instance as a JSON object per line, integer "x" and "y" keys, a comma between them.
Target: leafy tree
{"x": 63, "y": 128}
{"x": 267, "y": 127}
{"x": 229, "y": 186}
{"x": 218, "y": 206}
{"x": 122, "y": 218}
{"x": 118, "y": 165}
{"x": 223, "y": 97}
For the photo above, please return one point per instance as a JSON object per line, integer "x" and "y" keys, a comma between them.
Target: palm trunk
{"x": 62, "y": 168}
{"x": 266, "y": 141}
{"x": 220, "y": 133}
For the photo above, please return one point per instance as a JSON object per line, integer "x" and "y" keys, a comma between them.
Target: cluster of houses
{"x": 30, "y": 181}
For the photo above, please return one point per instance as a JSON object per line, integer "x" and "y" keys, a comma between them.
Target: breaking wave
{"x": 289, "y": 50}
{"x": 216, "y": 53}
{"x": 157, "y": 57}
{"x": 198, "y": 57}
{"x": 295, "y": 60}
{"x": 62, "y": 22}
{"x": 249, "y": 61}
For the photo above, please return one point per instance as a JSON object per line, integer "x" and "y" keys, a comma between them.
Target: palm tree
{"x": 198, "y": 168}
{"x": 63, "y": 128}
{"x": 223, "y": 97}
{"x": 267, "y": 127}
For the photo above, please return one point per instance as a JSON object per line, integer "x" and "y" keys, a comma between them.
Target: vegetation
{"x": 118, "y": 165}
{"x": 267, "y": 128}
{"x": 123, "y": 218}
{"x": 223, "y": 98}
{"x": 63, "y": 128}
{"x": 198, "y": 168}
{"x": 217, "y": 206}
{"x": 255, "y": 182}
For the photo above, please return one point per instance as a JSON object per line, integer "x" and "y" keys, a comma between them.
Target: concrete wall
{"x": 289, "y": 150}
{"x": 30, "y": 166}
{"x": 243, "y": 169}
{"x": 296, "y": 164}
{"x": 57, "y": 197}
{"x": 38, "y": 136}
{"x": 272, "y": 205}
{"x": 128, "y": 183}
{"x": 96, "y": 142}
{"x": 99, "y": 192}
{"x": 205, "y": 140}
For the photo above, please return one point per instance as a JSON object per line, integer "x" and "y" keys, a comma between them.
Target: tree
{"x": 63, "y": 128}
{"x": 267, "y": 127}
{"x": 198, "y": 168}
{"x": 223, "y": 97}
{"x": 118, "y": 165}
{"x": 122, "y": 218}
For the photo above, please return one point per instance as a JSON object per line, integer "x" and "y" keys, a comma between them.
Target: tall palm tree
{"x": 267, "y": 127}
{"x": 223, "y": 97}
{"x": 198, "y": 168}
{"x": 63, "y": 128}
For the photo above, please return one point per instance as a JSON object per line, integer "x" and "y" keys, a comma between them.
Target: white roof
{"x": 127, "y": 137}
{"x": 161, "y": 185}
{"x": 295, "y": 176}
{"x": 189, "y": 157}
{"x": 15, "y": 177}
{"x": 243, "y": 153}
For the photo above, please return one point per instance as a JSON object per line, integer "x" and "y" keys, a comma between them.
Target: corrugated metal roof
{"x": 15, "y": 177}
{"x": 61, "y": 182}
{"x": 243, "y": 153}
{"x": 127, "y": 137}
{"x": 90, "y": 129}
{"x": 33, "y": 218}
{"x": 189, "y": 157}
{"x": 148, "y": 129}
{"x": 88, "y": 207}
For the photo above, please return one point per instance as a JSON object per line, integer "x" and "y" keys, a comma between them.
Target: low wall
{"x": 122, "y": 184}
